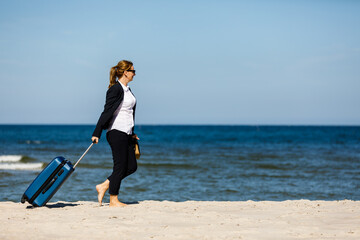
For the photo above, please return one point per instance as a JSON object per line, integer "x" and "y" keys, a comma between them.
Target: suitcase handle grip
{"x": 83, "y": 155}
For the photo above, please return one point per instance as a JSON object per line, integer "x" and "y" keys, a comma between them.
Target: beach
{"x": 235, "y": 182}
{"x": 291, "y": 219}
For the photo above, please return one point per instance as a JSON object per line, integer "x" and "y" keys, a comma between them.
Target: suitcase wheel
{"x": 23, "y": 199}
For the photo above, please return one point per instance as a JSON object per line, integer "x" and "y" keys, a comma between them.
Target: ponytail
{"x": 112, "y": 76}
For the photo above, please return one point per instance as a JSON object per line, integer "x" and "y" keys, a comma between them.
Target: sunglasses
{"x": 133, "y": 71}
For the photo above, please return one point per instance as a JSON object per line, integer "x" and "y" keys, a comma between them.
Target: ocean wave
{"x": 18, "y": 162}
{"x": 33, "y": 142}
{"x": 273, "y": 167}
{"x": 167, "y": 165}
{"x": 21, "y": 166}
{"x": 10, "y": 158}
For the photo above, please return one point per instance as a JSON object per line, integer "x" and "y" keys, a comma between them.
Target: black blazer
{"x": 114, "y": 96}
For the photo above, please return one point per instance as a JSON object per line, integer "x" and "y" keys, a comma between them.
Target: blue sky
{"x": 197, "y": 62}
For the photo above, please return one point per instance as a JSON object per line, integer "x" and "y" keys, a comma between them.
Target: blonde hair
{"x": 118, "y": 71}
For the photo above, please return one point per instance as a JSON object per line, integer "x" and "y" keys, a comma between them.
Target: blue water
{"x": 179, "y": 163}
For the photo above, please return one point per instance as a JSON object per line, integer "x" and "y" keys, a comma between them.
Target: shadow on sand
{"x": 62, "y": 205}
{"x": 56, "y": 205}
{"x": 131, "y": 203}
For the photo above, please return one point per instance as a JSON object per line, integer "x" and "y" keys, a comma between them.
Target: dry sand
{"x": 300, "y": 219}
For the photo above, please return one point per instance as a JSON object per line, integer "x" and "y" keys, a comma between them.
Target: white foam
{"x": 21, "y": 166}
{"x": 10, "y": 158}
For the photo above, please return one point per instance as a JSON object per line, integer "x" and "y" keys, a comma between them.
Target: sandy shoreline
{"x": 300, "y": 219}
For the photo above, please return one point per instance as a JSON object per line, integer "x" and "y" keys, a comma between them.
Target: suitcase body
{"x": 48, "y": 182}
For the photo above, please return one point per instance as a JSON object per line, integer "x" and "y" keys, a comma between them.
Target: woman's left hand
{"x": 135, "y": 136}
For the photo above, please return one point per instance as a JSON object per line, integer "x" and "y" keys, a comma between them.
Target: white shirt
{"x": 123, "y": 117}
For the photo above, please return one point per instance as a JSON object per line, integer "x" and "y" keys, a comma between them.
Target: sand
{"x": 300, "y": 219}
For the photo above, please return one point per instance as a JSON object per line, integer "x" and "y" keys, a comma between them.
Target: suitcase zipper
{"x": 47, "y": 182}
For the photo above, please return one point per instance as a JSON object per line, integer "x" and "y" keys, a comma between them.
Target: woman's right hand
{"x": 95, "y": 139}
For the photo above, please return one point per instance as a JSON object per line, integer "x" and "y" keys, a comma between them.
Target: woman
{"x": 118, "y": 118}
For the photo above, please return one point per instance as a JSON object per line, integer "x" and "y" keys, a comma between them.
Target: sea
{"x": 192, "y": 162}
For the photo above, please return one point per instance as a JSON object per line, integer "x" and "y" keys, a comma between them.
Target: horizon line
{"x": 186, "y": 124}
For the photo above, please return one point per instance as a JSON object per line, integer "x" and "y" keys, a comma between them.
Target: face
{"x": 130, "y": 74}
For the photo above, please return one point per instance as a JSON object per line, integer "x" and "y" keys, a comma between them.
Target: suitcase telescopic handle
{"x": 83, "y": 154}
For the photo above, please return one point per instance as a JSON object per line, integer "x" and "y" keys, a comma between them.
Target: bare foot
{"x": 117, "y": 204}
{"x": 114, "y": 202}
{"x": 101, "y": 189}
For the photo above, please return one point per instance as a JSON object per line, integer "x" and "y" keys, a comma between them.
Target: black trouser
{"x": 123, "y": 152}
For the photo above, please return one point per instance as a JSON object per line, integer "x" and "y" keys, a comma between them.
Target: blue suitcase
{"x": 49, "y": 181}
